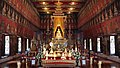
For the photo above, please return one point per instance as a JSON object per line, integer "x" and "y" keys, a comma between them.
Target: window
{"x": 98, "y": 45}
{"x": 84, "y": 44}
{"x": 27, "y": 45}
{"x": 33, "y": 62}
{"x": 90, "y": 42}
{"x": 83, "y": 60}
{"x": 19, "y": 44}
{"x": 112, "y": 44}
{"x": 7, "y": 45}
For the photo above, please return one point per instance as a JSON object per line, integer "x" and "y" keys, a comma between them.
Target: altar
{"x": 59, "y": 63}
{"x": 58, "y": 44}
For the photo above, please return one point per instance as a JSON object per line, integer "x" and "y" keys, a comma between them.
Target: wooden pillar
{"x": 105, "y": 44}
{"x": 94, "y": 44}
{"x": 1, "y": 44}
{"x": 13, "y": 45}
{"x": 118, "y": 45}
{"x": 23, "y": 45}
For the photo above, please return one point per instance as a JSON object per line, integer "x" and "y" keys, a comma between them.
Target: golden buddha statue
{"x": 58, "y": 34}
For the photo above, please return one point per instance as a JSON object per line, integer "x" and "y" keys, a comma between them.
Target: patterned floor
{"x": 23, "y": 64}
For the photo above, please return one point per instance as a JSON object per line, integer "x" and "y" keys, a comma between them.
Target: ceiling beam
{"x": 62, "y": 6}
{"x": 55, "y": 10}
{"x": 60, "y": 0}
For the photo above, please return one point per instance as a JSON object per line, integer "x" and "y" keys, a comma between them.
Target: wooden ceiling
{"x": 66, "y": 6}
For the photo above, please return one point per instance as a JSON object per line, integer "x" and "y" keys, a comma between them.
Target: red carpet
{"x": 58, "y": 63}
{"x": 58, "y": 58}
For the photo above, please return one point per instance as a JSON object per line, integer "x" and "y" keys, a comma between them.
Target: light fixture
{"x": 69, "y": 12}
{"x": 71, "y": 9}
{"x": 48, "y": 12}
{"x": 73, "y": 3}
{"x": 43, "y": 3}
{"x": 45, "y": 8}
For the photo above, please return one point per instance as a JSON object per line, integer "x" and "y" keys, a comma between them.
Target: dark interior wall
{"x": 118, "y": 45}
{"x": 103, "y": 24}
{"x": 13, "y": 45}
{"x": 105, "y": 44}
{"x": 91, "y": 9}
{"x": 1, "y": 44}
{"x": 16, "y": 21}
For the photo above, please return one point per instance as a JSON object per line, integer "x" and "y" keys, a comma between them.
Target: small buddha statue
{"x": 33, "y": 46}
{"x": 63, "y": 56}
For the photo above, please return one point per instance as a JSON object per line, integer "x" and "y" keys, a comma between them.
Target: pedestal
{"x": 27, "y": 65}
{"x": 91, "y": 60}
{"x": 18, "y": 64}
{"x": 99, "y": 64}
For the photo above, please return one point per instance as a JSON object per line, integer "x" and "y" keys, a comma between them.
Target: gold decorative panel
{"x": 58, "y": 22}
